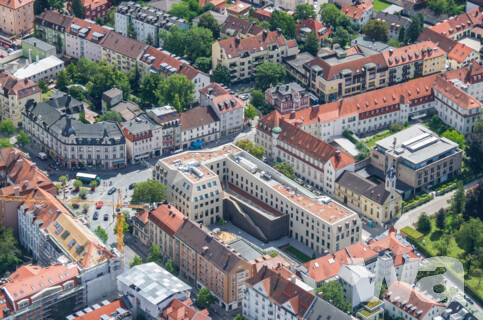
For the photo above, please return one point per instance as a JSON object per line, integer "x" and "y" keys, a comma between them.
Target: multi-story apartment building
{"x": 204, "y": 260}
{"x": 199, "y": 124}
{"x": 51, "y": 26}
{"x": 270, "y": 296}
{"x": 290, "y": 4}
{"x": 413, "y": 61}
{"x": 237, "y": 27}
{"x": 163, "y": 222}
{"x": 45, "y": 69}
{"x": 200, "y": 79}
{"x": 195, "y": 178}
{"x": 84, "y": 38}
{"x": 147, "y": 23}
{"x": 14, "y": 94}
{"x": 17, "y": 17}
{"x": 242, "y": 56}
{"x": 311, "y": 25}
{"x": 403, "y": 301}
{"x": 228, "y": 108}
{"x": 169, "y": 120}
{"x": 378, "y": 109}
{"x": 286, "y": 98}
{"x": 140, "y": 227}
{"x": 122, "y": 51}
{"x": 421, "y": 158}
{"x": 394, "y": 23}
{"x": 144, "y": 138}
{"x": 314, "y": 161}
{"x": 93, "y": 9}
{"x": 359, "y": 13}
{"x": 62, "y": 237}
{"x": 377, "y": 202}
{"x": 459, "y": 26}
{"x": 339, "y": 75}
{"x": 33, "y": 292}
{"x": 71, "y": 142}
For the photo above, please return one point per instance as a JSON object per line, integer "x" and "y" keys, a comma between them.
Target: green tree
{"x": 221, "y": 75}
{"x": 125, "y": 225}
{"x": 78, "y": 9}
{"x": 393, "y": 43}
{"x": 170, "y": 267}
{"x": 250, "y": 112}
{"x": 424, "y": 223}
{"x": 240, "y": 317}
{"x": 208, "y": 7}
{"x": 285, "y": 22}
{"x": 174, "y": 40}
{"x": 110, "y": 115}
{"x": 136, "y": 261}
{"x": 269, "y": 74}
{"x": 131, "y": 33}
{"x": 333, "y": 291}
{"x": 402, "y": 35}
{"x": 107, "y": 77}
{"x": 149, "y": 40}
{"x": 205, "y": 298}
{"x": 395, "y": 127}
{"x": 474, "y": 152}
{"x": 198, "y": 43}
{"x": 150, "y": 83}
{"x": 43, "y": 86}
{"x": 203, "y": 64}
{"x": 7, "y": 126}
{"x": 209, "y": 22}
{"x": 77, "y": 92}
{"x": 441, "y": 219}
{"x": 252, "y": 148}
{"x": 383, "y": 289}
{"x": 304, "y": 11}
{"x": 454, "y": 136}
{"x": 77, "y": 184}
{"x": 458, "y": 200}
{"x": 341, "y": 36}
{"x": 443, "y": 244}
{"x": 62, "y": 80}
{"x": 258, "y": 99}
{"x": 415, "y": 27}
{"x": 93, "y": 184}
{"x": 101, "y": 233}
{"x": 186, "y": 9}
{"x": 10, "y": 252}
{"x": 221, "y": 222}
{"x": 457, "y": 221}
{"x": 149, "y": 191}
{"x": 330, "y": 14}
{"x": 177, "y": 104}
{"x": 155, "y": 254}
{"x": 376, "y": 29}
{"x": 82, "y": 117}
{"x": 286, "y": 169}
{"x": 23, "y": 138}
{"x": 134, "y": 77}
{"x": 63, "y": 180}
{"x": 5, "y": 143}
{"x": 84, "y": 71}
{"x": 176, "y": 85}
{"x": 312, "y": 43}
{"x": 60, "y": 45}
{"x": 470, "y": 237}
{"x": 83, "y": 191}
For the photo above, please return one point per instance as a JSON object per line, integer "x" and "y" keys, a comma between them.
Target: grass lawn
{"x": 415, "y": 234}
{"x": 372, "y": 141}
{"x": 302, "y": 257}
{"x": 380, "y": 5}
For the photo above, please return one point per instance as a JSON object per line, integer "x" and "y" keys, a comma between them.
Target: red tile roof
{"x": 217, "y": 3}
{"x": 238, "y": 7}
{"x": 459, "y": 23}
{"x": 417, "y": 303}
{"x": 460, "y": 52}
{"x": 461, "y": 98}
{"x": 328, "y": 266}
{"x": 240, "y": 26}
{"x": 315, "y": 26}
{"x": 390, "y": 242}
{"x": 262, "y": 13}
{"x": 15, "y": 4}
{"x": 93, "y": 28}
{"x": 104, "y": 310}
{"x": 167, "y": 217}
{"x": 11, "y": 85}
{"x": 160, "y": 57}
{"x": 189, "y": 71}
{"x": 218, "y": 94}
{"x": 355, "y": 12}
{"x": 413, "y": 52}
{"x": 258, "y": 43}
{"x": 282, "y": 291}
{"x": 183, "y": 310}
{"x": 95, "y": 3}
{"x": 142, "y": 216}
{"x": 197, "y": 117}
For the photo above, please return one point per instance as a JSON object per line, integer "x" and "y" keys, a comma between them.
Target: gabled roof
{"x": 260, "y": 42}
{"x": 445, "y": 43}
{"x": 197, "y": 117}
{"x": 417, "y": 304}
{"x": 162, "y": 62}
{"x": 238, "y": 7}
{"x": 315, "y": 26}
{"x": 355, "y": 12}
{"x": 413, "y": 52}
{"x": 124, "y": 45}
{"x": 11, "y": 85}
{"x": 392, "y": 19}
{"x": 240, "y": 26}
{"x": 460, "y": 52}
{"x": 105, "y": 310}
{"x": 190, "y": 72}
{"x": 400, "y": 248}
{"x": 52, "y": 19}
{"x": 184, "y": 310}
{"x": 91, "y": 29}
{"x": 459, "y": 23}
{"x": 221, "y": 97}
{"x": 455, "y": 94}
{"x": 283, "y": 292}
{"x": 167, "y": 217}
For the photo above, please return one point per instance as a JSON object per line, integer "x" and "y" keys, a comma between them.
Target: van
{"x": 42, "y": 156}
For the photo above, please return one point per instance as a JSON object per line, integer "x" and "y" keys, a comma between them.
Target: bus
{"x": 87, "y": 177}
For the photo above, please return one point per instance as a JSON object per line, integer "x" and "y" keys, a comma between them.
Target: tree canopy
{"x": 415, "y": 27}
{"x": 149, "y": 191}
{"x": 341, "y": 36}
{"x": 285, "y": 22}
{"x": 101, "y": 233}
{"x": 376, "y": 30}
{"x": 474, "y": 151}
{"x": 470, "y": 237}
{"x": 110, "y": 115}
{"x": 78, "y": 9}
{"x": 258, "y": 98}
{"x": 252, "y": 148}
{"x": 177, "y": 85}
{"x": 136, "y": 261}
{"x": 23, "y": 138}
{"x": 205, "y": 298}
{"x": 7, "y": 126}
{"x": 155, "y": 254}
{"x": 62, "y": 80}
{"x": 250, "y": 112}
{"x": 312, "y": 43}
{"x": 424, "y": 223}
{"x": 221, "y": 75}
{"x": 333, "y": 291}
{"x": 454, "y": 136}
{"x": 193, "y": 43}
{"x": 107, "y": 77}
{"x": 269, "y": 74}
{"x": 203, "y": 64}
{"x": 286, "y": 169}
{"x": 10, "y": 252}
{"x": 209, "y": 22}
{"x": 304, "y": 11}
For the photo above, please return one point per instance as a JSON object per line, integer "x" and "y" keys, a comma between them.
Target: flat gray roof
{"x": 246, "y": 251}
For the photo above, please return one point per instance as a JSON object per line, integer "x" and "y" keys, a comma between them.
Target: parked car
{"x": 131, "y": 186}
{"x": 42, "y": 155}
{"x": 96, "y": 215}
{"x": 106, "y": 217}
{"x": 112, "y": 190}
{"x": 99, "y": 204}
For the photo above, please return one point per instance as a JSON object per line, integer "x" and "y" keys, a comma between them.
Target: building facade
{"x": 18, "y": 17}
{"x": 169, "y": 120}
{"x": 36, "y": 49}
{"x": 359, "y": 14}
{"x": 199, "y": 124}
{"x": 143, "y": 138}
{"x": 51, "y": 27}
{"x": 93, "y": 9}
{"x": 84, "y": 38}
{"x": 122, "y": 51}
{"x": 45, "y": 69}
{"x": 287, "y": 97}
{"x": 163, "y": 222}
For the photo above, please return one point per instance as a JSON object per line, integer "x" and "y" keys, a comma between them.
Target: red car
{"x": 99, "y": 204}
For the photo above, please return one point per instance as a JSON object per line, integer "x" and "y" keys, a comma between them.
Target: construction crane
{"x": 118, "y": 204}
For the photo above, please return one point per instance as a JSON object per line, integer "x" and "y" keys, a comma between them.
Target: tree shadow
{"x": 436, "y": 235}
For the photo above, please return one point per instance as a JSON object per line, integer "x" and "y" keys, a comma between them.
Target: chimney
{"x": 35, "y": 43}
{"x": 16, "y": 191}
{"x": 201, "y": 226}
{"x": 19, "y": 163}
{"x": 265, "y": 33}
{"x": 337, "y": 154}
{"x": 237, "y": 41}
{"x": 321, "y": 295}
{"x": 169, "y": 206}
{"x": 26, "y": 80}
{"x": 25, "y": 183}
{"x": 30, "y": 55}
{"x": 293, "y": 278}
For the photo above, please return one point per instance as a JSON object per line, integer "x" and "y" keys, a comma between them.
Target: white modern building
{"x": 45, "y": 69}
{"x": 358, "y": 283}
{"x": 150, "y": 289}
